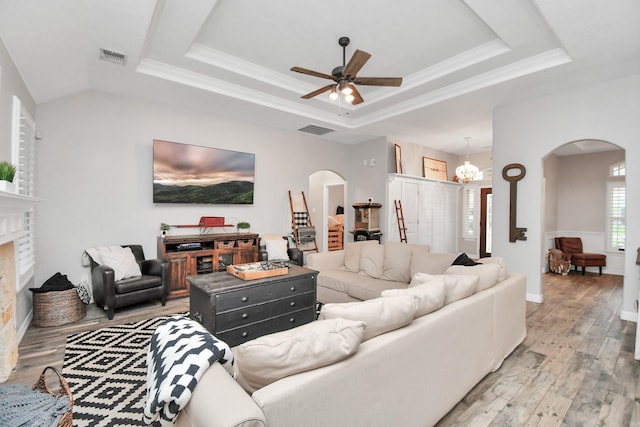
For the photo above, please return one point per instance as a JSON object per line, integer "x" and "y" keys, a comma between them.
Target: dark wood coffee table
{"x": 236, "y": 311}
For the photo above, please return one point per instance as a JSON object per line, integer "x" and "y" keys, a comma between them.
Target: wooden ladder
{"x": 294, "y": 225}
{"x": 402, "y": 229}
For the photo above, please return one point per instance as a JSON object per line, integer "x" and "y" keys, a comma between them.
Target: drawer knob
{"x": 244, "y": 299}
{"x": 292, "y": 303}
{"x": 293, "y": 288}
{"x": 292, "y": 320}
{"x": 245, "y": 334}
{"x": 245, "y": 315}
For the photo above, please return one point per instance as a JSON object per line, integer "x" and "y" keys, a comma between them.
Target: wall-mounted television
{"x": 184, "y": 173}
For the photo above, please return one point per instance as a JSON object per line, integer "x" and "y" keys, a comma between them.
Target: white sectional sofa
{"x": 409, "y": 376}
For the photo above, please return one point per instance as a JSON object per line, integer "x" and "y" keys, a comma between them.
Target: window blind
{"x": 468, "y": 216}
{"x": 616, "y": 214}
{"x": 24, "y": 158}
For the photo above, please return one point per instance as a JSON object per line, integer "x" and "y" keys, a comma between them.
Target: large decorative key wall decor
{"x": 515, "y": 232}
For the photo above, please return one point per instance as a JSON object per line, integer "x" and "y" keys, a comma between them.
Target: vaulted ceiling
{"x": 459, "y": 58}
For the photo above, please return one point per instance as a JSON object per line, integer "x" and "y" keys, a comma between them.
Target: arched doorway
{"x": 578, "y": 178}
{"x": 327, "y": 190}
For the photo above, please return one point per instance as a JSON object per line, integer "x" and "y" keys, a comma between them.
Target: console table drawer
{"x": 242, "y": 334}
{"x": 248, "y": 296}
{"x": 251, "y": 314}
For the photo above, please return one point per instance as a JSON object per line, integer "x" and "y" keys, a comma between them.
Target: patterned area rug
{"x": 106, "y": 370}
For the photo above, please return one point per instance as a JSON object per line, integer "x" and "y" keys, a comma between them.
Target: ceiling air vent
{"x": 316, "y": 130}
{"x": 113, "y": 56}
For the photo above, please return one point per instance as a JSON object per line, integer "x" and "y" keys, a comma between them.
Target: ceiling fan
{"x": 345, "y": 77}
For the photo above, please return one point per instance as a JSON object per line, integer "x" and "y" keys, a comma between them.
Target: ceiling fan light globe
{"x": 349, "y": 98}
{"x": 333, "y": 95}
{"x": 346, "y": 90}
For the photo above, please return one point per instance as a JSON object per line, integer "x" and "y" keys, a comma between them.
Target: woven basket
{"x": 57, "y": 308}
{"x": 41, "y": 386}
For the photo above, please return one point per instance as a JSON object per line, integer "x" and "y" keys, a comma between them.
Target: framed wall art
{"x": 435, "y": 169}
{"x": 184, "y": 173}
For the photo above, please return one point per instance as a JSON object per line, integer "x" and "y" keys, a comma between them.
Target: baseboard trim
{"x": 25, "y": 326}
{"x": 630, "y": 316}
{"x": 537, "y": 298}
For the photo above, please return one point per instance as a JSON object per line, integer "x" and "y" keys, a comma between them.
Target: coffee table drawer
{"x": 251, "y": 295}
{"x": 251, "y": 314}
{"x": 248, "y": 332}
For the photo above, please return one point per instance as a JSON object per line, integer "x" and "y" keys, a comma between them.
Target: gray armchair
{"x": 110, "y": 294}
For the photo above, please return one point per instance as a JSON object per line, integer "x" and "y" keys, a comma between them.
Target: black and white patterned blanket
{"x": 181, "y": 350}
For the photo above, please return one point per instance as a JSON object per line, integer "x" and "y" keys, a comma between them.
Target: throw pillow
{"x": 371, "y": 259}
{"x": 463, "y": 259}
{"x": 277, "y": 249}
{"x": 380, "y": 314}
{"x": 352, "y": 255}
{"x": 431, "y": 263}
{"x": 487, "y": 274}
{"x": 268, "y": 358}
{"x": 397, "y": 260}
{"x": 120, "y": 259}
{"x": 455, "y": 287}
{"x": 430, "y": 296}
{"x": 496, "y": 260}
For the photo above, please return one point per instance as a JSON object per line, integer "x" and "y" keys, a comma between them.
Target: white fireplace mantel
{"x": 12, "y": 209}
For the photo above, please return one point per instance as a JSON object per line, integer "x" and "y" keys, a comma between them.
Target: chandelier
{"x": 467, "y": 172}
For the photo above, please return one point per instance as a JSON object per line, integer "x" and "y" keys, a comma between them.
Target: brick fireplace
{"x": 12, "y": 209}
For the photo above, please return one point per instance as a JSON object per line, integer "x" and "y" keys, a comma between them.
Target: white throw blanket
{"x": 180, "y": 351}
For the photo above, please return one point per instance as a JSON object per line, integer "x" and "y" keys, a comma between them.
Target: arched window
{"x": 618, "y": 169}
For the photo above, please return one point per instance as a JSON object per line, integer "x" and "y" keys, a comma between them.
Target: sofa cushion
{"x": 502, "y": 275}
{"x": 430, "y": 263}
{"x": 120, "y": 259}
{"x": 352, "y": 255}
{"x": 371, "y": 258}
{"x": 430, "y": 296}
{"x": 338, "y": 280}
{"x": 364, "y": 287}
{"x": 380, "y": 314}
{"x": 277, "y": 249}
{"x": 487, "y": 274}
{"x": 397, "y": 260}
{"x": 268, "y": 358}
{"x": 455, "y": 287}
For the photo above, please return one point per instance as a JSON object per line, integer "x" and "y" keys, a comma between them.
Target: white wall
{"x": 525, "y": 133}
{"x": 95, "y": 174}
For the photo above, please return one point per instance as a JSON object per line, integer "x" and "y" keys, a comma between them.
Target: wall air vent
{"x": 316, "y": 130}
{"x": 113, "y": 56}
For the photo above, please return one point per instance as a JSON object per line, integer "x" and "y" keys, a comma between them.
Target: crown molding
{"x": 543, "y": 61}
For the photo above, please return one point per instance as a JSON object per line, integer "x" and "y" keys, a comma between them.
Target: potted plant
{"x": 164, "y": 227}
{"x": 7, "y": 172}
{"x": 244, "y": 226}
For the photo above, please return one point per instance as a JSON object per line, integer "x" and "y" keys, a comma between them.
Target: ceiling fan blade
{"x": 357, "y": 98}
{"x": 318, "y": 91}
{"x": 311, "y": 73}
{"x": 378, "y": 81}
{"x": 357, "y": 61}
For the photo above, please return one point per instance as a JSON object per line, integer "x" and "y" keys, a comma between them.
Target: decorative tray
{"x": 257, "y": 270}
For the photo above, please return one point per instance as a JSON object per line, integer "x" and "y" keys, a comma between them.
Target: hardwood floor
{"x": 575, "y": 368}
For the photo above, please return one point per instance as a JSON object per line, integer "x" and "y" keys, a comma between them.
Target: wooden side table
{"x": 236, "y": 311}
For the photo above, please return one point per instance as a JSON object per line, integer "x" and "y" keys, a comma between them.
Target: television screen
{"x": 185, "y": 173}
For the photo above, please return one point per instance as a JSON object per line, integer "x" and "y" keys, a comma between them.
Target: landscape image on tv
{"x": 185, "y": 173}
